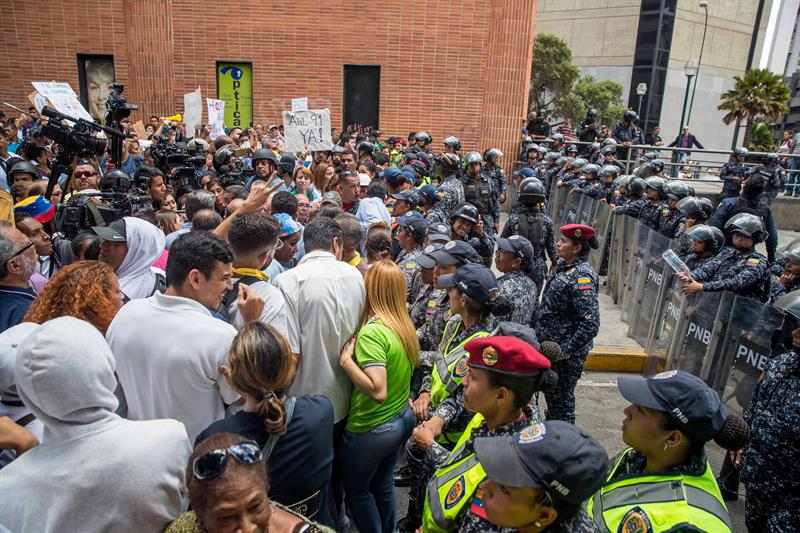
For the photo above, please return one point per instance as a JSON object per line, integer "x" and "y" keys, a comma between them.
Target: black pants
{"x": 336, "y": 496}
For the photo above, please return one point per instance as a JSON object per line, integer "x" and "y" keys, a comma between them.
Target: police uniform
{"x": 694, "y": 260}
{"x": 744, "y": 272}
{"x": 651, "y": 213}
{"x": 407, "y": 261}
{"x": 498, "y": 176}
{"x": 670, "y": 222}
{"x": 523, "y": 294}
{"x": 631, "y": 133}
{"x": 770, "y": 471}
{"x": 531, "y": 223}
{"x": 778, "y": 289}
{"x": 569, "y": 314}
{"x": 424, "y": 304}
{"x": 451, "y": 193}
{"x": 483, "y": 194}
{"x": 730, "y": 187}
{"x": 632, "y": 207}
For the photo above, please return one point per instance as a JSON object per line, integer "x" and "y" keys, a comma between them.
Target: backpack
{"x": 231, "y": 296}
{"x": 531, "y": 227}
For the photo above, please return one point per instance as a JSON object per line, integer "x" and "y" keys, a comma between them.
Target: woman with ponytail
{"x": 663, "y": 481}
{"x": 295, "y": 434}
{"x": 515, "y": 260}
{"x": 379, "y": 361}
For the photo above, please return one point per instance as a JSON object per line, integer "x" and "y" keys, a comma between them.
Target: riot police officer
{"x": 452, "y": 144}
{"x": 608, "y": 175}
{"x": 422, "y": 142}
{"x": 789, "y": 278}
{"x": 695, "y": 211}
{"x": 634, "y": 200}
{"x": 733, "y": 173}
{"x": 549, "y": 170}
{"x": 531, "y": 222}
{"x": 776, "y": 178}
{"x": 671, "y": 219}
{"x": 467, "y": 225}
{"x": 590, "y": 184}
{"x": 569, "y": 314}
{"x": 538, "y": 127}
{"x": 626, "y": 133}
{"x": 588, "y": 128}
{"x": 654, "y": 208}
{"x": 481, "y": 191}
{"x": 491, "y": 158}
{"x": 570, "y": 176}
{"x": 450, "y": 189}
{"x": 704, "y": 243}
{"x": 737, "y": 268}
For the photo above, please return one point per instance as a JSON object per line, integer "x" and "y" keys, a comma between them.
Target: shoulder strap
{"x": 233, "y": 294}
{"x": 288, "y": 407}
{"x": 25, "y": 420}
{"x": 159, "y": 285}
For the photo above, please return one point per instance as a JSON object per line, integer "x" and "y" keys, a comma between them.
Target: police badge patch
{"x": 635, "y": 521}
{"x": 532, "y": 433}
{"x": 461, "y": 368}
{"x": 455, "y": 493}
{"x": 490, "y": 356}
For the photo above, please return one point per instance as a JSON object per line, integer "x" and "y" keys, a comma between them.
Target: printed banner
{"x": 216, "y": 117}
{"x": 235, "y": 88}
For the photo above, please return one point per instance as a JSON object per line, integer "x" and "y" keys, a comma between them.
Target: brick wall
{"x": 449, "y": 67}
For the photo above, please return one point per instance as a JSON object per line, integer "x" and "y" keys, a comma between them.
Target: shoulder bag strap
{"x": 288, "y": 407}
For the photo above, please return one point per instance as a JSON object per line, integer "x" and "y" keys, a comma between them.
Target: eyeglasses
{"x": 20, "y": 251}
{"x": 303, "y": 206}
{"x": 84, "y": 174}
{"x": 212, "y": 464}
{"x": 278, "y": 246}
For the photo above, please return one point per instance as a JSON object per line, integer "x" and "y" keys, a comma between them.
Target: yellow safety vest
{"x": 452, "y": 485}
{"x": 659, "y": 502}
{"x": 450, "y": 363}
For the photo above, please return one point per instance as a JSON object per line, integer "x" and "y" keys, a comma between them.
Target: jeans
{"x": 368, "y": 461}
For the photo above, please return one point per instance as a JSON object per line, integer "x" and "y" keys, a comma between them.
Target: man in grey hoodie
{"x": 93, "y": 471}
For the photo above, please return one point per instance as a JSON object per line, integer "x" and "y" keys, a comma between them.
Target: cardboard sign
{"x": 192, "y": 111}
{"x": 307, "y": 130}
{"x": 62, "y": 98}
{"x": 37, "y": 100}
{"x": 216, "y": 117}
{"x": 138, "y": 128}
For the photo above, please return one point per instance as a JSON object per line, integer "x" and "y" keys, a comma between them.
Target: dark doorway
{"x": 362, "y": 96}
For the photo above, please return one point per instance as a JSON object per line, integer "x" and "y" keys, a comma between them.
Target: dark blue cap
{"x": 456, "y": 253}
{"x": 411, "y": 197}
{"x": 555, "y": 456}
{"x": 439, "y": 232}
{"x": 525, "y": 172}
{"x": 474, "y": 280}
{"x": 425, "y": 260}
{"x": 517, "y": 245}
{"x": 390, "y": 173}
{"x": 428, "y": 193}
{"x": 685, "y": 398}
{"x": 415, "y": 225}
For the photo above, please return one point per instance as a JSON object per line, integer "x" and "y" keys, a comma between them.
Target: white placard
{"x": 63, "y": 98}
{"x": 307, "y": 130}
{"x": 216, "y": 117}
{"x": 299, "y": 104}
{"x": 192, "y": 111}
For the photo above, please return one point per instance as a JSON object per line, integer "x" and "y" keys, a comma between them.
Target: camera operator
{"x": 85, "y": 178}
{"x": 151, "y": 180}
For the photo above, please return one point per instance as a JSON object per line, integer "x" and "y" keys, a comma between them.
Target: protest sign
{"x": 62, "y": 98}
{"x": 140, "y": 131}
{"x": 216, "y": 117}
{"x": 307, "y": 130}
{"x": 192, "y": 111}
{"x": 37, "y": 100}
{"x": 299, "y": 104}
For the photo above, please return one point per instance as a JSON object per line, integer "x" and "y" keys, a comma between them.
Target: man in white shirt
{"x": 169, "y": 347}
{"x": 325, "y": 298}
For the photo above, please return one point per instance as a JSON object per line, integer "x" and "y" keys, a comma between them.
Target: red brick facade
{"x": 450, "y": 67}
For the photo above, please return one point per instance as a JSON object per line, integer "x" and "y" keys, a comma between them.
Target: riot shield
{"x": 744, "y": 351}
{"x": 621, "y": 237}
{"x": 561, "y": 195}
{"x": 702, "y": 322}
{"x": 586, "y": 209}
{"x": 572, "y": 207}
{"x": 555, "y": 203}
{"x": 633, "y": 281}
{"x": 650, "y": 289}
{"x": 601, "y": 222}
{"x": 665, "y": 324}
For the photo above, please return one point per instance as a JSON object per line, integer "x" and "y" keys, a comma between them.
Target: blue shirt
{"x": 14, "y": 303}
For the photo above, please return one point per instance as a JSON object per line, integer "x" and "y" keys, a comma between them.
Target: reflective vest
{"x": 452, "y": 485}
{"x": 659, "y": 502}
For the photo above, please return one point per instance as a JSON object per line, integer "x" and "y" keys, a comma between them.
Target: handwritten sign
{"x": 192, "y": 111}
{"x": 307, "y": 130}
{"x": 216, "y": 117}
{"x": 299, "y": 104}
{"x": 62, "y": 98}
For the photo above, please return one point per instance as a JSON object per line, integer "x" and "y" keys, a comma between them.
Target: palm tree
{"x": 759, "y": 93}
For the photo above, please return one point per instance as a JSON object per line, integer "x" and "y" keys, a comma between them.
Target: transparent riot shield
{"x": 702, "y": 323}
{"x": 650, "y": 287}
{"x": 633, "y": 280}
{"x": 617, "y": 259}
{"x": 572, "y": 207}
{"x": 561, "y": 195}
{"x": 601, "y": 222}
{"x": 586, "y": 209}
{"x": 555, "y": 203}
{"x": 744, "y": 351}
{"x": 665, "y": 324}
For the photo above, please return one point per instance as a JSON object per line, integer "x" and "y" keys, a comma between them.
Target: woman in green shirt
{"x": 379, "y": 362}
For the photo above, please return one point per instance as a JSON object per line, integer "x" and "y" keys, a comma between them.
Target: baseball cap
{"x": 364, "y": 179}
{"x": 455, "y": 253}
{"x": 37, "y": 207}
{"x": 555, "y": 456}
{"x": 439, "y": 232}
{"x": 428, "y": 194}
{"x": 289, "y": 226}
{"x": 331, "y": 197}
{"x": 114, "y": 232}
{"x": 508, "y": 355}
{"x": 474, "y": 280}
{"x": 518, "y": 245}
{"x": 411, "y": 197}
{"x": 685, "y": 398}
{"x": 425, "y": 260}
{"x": 415, "y": 225}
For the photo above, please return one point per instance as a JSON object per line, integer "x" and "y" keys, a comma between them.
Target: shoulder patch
{"x": 430, "y": 307}
{"x": 753, "y": 262}
{"x": 532, "y": 433}
{"x": 635, "y": 521}
{"x": 461, "y": 368}
{"x": 584, "y": 283}
{"x": 409, "y": 266}
{"x": 455, "y": 493}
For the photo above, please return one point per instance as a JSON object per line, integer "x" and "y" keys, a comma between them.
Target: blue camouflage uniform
{"x": 670, "y": 222}
{"x": 744, "y": 272}
{"x": 778, "y": 289}
{"x": 498, "y": 175}
{"x": 546, "y": 244}
{"x": 632, "y": 207}
{"x": 694, "y": 260}
{"x": 730, "y": 187}
{"x": 451, "y": 193}
{"x": 569, "y": 314}
{"x": 407, "y": 261}
{"x": 770, "y": 472}
{"x": 483, "y": 194}
{"x": 651, "y": 213}
{"x": 523, "y": 294}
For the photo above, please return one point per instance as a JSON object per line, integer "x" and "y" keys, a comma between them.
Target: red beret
{"x": 508, "y": 355}
{"x": 578, "y": 231}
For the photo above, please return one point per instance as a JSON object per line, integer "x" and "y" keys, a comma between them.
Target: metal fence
{"x": 718, "y": 336}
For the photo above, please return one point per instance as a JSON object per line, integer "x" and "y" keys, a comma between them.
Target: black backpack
{"x": 531, "y": 226}
{"x": 231, "y": 296}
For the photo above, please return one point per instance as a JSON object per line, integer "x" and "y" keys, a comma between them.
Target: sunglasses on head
{"x": 212, "y": 464}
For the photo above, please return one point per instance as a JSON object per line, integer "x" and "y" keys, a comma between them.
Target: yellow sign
{"x": 235, "y": 88}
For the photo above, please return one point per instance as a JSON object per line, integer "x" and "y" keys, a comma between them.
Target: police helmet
{"x": 630, "y": 115}
{"x": 22, "y": 166}
{"x": 472, "y": 157}
{"x": 223, "y": 157}
{"x": 591, "y": 170}
{"x": 448, "y": 160}
{"x": 608, "y": 141}
{"x": 423, "y": 136}
{"x": 365, "y": 146}
{"x": 747, "y": 224}
{"x": 770, "y": 159}
{"x": 595, "y": 147}
{"x": 609, "y": 170}
{"x": 656, "y": 183}
{"x": 579, "y": 163}
{"x": 572, "y": 149}
{"x": 609, "y": 150}
{"x": 543, "y": 150}
{"x": 592, "y": 113}
{"x": 712, "y": 236}
{"x": 789, "y": 303}
{"x": 453, "y": 142}
{"x": 287, "y": 162}
{"x": 541, "y": 113}
{"x": 551, "y": 157}
{"x": 493, "y": 153}
{"x": 527, "y": 140}
{"x": 657, "y": 165}
{"x": 118, "y": 179}
{"x": 557, "y": 137}
{"x": 635, "y": 186}
{"x": 562, "y": 160}
{"x": 699, "y": 208}
{"x": 649, "y": 156}
{"x": 678, "y": 190}
{"x": 466, "y": 211}
{"x": 741, "y": 152}
{"x": 531, "y": 190}
{"x": 525, "y": 172}
{"x": 533, "y": 147}
{"x": 792, "y": 251}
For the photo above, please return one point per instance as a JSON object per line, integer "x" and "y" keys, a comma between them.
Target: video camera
{"x": 177, "y": 161}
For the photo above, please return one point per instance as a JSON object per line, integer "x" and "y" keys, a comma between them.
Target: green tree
{"x": 552, "y": 72}
{"x": 759, "y": 93}
{"x": 603, "y": 95}
{"x": 761, "y": 137}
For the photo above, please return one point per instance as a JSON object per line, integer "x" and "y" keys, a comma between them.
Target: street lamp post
{"x": 641, "y": 90}
{"x": 704, "y": 5}
{"x": 690, "y": 69}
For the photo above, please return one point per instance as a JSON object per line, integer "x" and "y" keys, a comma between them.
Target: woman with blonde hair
{"x": 295, "y": 434}
{"x": 323, "y": 174}
{"x": 303, "y": 184}
{"x": 379, "y": 361}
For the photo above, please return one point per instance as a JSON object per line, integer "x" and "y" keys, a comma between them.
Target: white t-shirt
{"x": 274, "y": 313}
{"x": 325, "y": 298}
{"x": 168, "y": 351}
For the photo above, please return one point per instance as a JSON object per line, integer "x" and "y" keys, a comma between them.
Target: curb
{"x": 616, "y": 359}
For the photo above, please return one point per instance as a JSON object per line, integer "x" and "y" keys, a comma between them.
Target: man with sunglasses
{"x": 85, "y": 176}
{"x": 18, "y": 262}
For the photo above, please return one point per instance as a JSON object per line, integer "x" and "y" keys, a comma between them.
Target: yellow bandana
{"x": 253, "y": 272}
{"x": 355, "y": 260}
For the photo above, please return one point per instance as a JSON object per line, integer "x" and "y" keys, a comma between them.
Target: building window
{"x": 362, "y": 96}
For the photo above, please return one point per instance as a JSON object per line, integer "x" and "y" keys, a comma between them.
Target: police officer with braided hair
{"x": 655, "y": 206}
{"x": 695, "y": 211}
{"x": 737, "y": 268}
{"x": 671, "y": 219}
{"x": 569, "y": 314}
{"x": 733, "y": 173}
{"x": 450, "y": 189}
{"x": 530, "y": 221}
{"x": 705, "y": 242}
{"x": 492, "y": 168}
{"x": 770, "y": 473}
{"x": 634, "y": 198}
{"x": 514, "y": 260}
{"x": 481, "y": 191}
